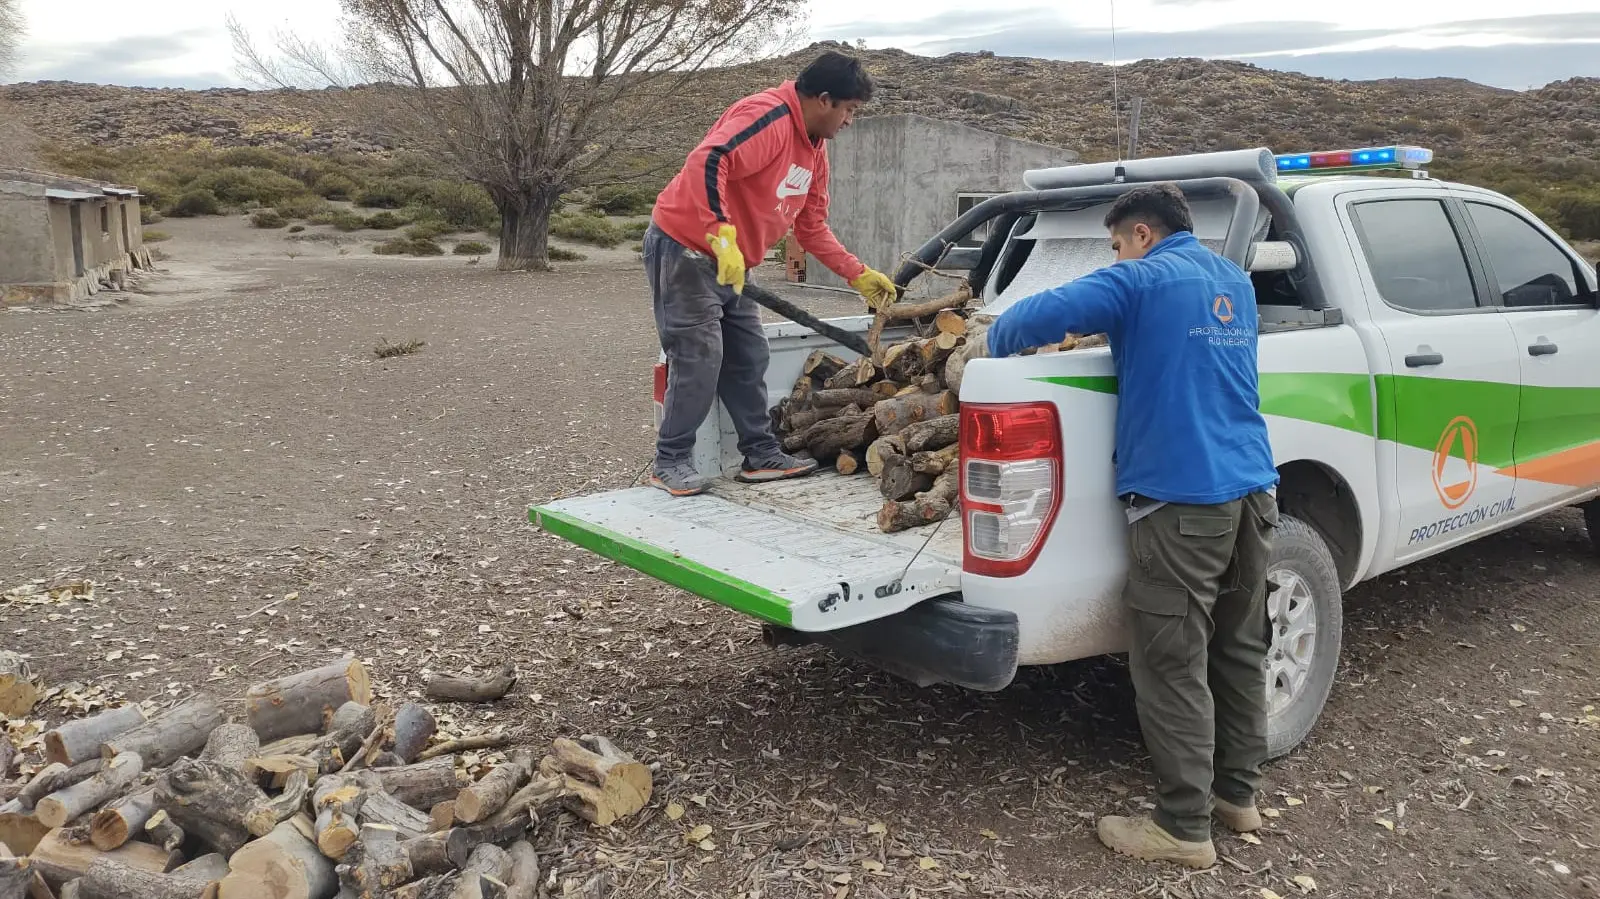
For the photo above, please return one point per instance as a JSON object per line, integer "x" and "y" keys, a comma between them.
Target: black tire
{"x": 1301, "y": 556}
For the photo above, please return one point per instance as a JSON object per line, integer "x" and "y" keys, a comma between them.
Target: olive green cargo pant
{"x": 1196, "y": 594}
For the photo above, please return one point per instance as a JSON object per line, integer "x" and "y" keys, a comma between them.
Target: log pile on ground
{"x": 895, "y": 415}
{"x": 316, "y": 792}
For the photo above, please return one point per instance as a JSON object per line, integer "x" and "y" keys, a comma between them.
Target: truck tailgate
{"x": 787, "y": 568}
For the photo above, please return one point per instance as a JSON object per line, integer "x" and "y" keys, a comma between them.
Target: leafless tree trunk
{"x": 16, "y": 142}
{"x": 528, "y": 98}
{"x": 11, "y": 31}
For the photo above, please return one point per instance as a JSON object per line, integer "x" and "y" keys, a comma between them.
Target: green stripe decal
{"x": 1555, "y": 419}
{"x": 662, "y": 565}
{"x": 1338, "y": 400}
{"x": 1431, "y": 404}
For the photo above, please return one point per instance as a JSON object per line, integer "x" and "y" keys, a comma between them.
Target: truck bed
{"x": 847, "y": 503}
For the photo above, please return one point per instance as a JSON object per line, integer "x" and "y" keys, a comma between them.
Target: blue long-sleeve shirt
{"x": 1182, "y": 327}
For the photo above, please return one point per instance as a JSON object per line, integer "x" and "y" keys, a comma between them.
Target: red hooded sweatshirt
{"x": 759, "y": 170}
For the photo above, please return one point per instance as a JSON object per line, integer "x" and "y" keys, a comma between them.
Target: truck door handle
{"x": 1418, "y": 360}
{"x": 1542, "y": 349}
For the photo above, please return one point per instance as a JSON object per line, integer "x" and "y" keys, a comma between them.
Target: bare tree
{"x": 16, "y": 142}
{"x": 11, "y": 32}
{"x": 529, "y": 98}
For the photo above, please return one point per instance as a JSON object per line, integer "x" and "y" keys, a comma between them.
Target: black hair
{"x": 839, "y": 76}
{"x": 1160, "y": 206}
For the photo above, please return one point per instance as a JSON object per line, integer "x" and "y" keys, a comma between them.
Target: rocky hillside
{"x": 1189, "y": 104}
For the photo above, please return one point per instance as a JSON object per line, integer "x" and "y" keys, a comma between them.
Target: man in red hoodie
{"x": 760, "y": 171}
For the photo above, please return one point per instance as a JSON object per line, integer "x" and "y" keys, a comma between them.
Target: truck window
{"x": 1415, "y": 255}
{"x": 1529, "y": 269}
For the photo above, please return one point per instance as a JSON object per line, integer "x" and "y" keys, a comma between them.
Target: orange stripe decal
{"x": 1575, "y": 467}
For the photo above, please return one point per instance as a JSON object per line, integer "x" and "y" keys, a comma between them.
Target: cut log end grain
{"x": 822, "y": 365}
{"x": 484, "y": 798}
{"x": 619, "y": 785}
{"x": 122, "y": 820}
{"x": 61, "y": 861}
{"x": 450, "y": 688}
{"x": 20, "y": 685}
{"x": 284, "y": 864}
{"x": 880, "y": 449}
{"x": 66, "y": 804}
{"x": 300, "y": 703}
{"x": 900, "y": 480}
{"x": 850, "y": 461}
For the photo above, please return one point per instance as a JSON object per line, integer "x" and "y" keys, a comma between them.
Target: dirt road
{"x": 253, "y": 490}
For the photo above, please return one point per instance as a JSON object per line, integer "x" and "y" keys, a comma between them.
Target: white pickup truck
{"x": 1430, "y": 372}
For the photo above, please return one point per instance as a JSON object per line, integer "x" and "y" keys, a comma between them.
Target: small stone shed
{"x": 63, "y": 239}
{"x": 898, "y": 180}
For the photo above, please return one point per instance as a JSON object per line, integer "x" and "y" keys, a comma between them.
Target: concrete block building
{"x": 63, "y": 239}
{"x": 897, "y": 180}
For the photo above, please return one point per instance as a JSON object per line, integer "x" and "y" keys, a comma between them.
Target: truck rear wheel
{"x": 1307, "y": 615}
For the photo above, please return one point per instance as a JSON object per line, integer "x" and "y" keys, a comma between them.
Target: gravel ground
{"x": 252, "y": 491}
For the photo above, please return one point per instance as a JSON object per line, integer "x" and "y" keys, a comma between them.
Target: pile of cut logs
{"x": 317, "y": 792}
{"x": 895, "y": 414}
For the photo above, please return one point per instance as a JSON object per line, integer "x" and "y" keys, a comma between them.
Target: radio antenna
{"x": 1116, "y": 94}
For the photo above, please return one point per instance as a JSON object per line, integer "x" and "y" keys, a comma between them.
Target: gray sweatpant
{"x": 715, "y": 347}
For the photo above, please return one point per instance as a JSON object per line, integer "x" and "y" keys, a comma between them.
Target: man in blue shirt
{"x": 1195, "y": 471}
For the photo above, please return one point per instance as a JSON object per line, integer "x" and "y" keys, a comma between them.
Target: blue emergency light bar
{"x": 1343, "y": 161}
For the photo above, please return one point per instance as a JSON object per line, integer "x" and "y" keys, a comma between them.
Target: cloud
{"x": 1542, "y": 48}
{"x": 143, "y": 61}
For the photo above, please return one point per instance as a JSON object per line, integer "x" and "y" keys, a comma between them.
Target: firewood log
{"x": 56, "y": 776}
{"x": 446, "y": 687}
{"x": 524, "y": 883}
{"x": 493, "y": 740}
{"x": 440, "y": 886}
{"x": 284, "y": 864}
{"x": 955, "y": 367}
{"x": 488, "y": 860}
{"x": 829, "y": 437}
{"x": 904, "y": 312}
{"x": 170, "y": 735}
{"x": 845, "y": 396}
{"x": 950, "y": 322}
{"x": 800, "y": 395}
{"x": 935, "y": 462}
{"x": 933, "y": 434}
{"x": 902, "y": 362}
{"x": 375, "y": 864}
{"x": 266, "y": 816}
{"x": 16, "y": 874}
{"x": 122, "y": 819}
{"x": 304, "y": 702}
{"x": 795, "y": 422}
{"x": 80, "y": 740}
{"x": 381, "y": 808}
{"x": 850, "y": 461}
{"x": 510, "y": 822}
{"x": 892, "y": 444}
{"x": 108, "y": 878}
{"x": 231, "y": 745}
{"x": 162, "y": 831}
{"x": 21, "y": 831}
{"x": 860, "y": 373}
{"x": 66, "y": 804}
{"x": 211, "y": 802}
{"x": 336, "y": 800}
{"x": 894, "y": 416}
{"x": 413, "y": 728}
{"x": 925, "y": 508}
{"x": 60, "y": 861}
{"x": 424, "y": 784}
{"x": 484, "y": 798}
{"x": 8, "y": 757}
{"x": 603, "y": 783}
{"x": 900, "y": 481}
{"x": 822, "y": 365}
{"x": 20, "y": 685}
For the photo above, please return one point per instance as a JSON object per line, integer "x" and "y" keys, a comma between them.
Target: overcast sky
{"x": 183, "y": 43}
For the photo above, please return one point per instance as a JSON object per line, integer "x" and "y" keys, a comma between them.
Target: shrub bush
{"x": 335, "y": 187}
{"x": 384, "y": 221}
{"x": 153, "y": 236}
{"x": 635, "y": 230}
{"x": 296, "y": 229}
{"x": 303, "y": 207}
{"x": 466, "y": 206}
{"x": 383, "y": 195}
{"x": 404, "y": 246}
{"x": 1578, "y": 214}
{"x": 586, "y": 229}
{"x": 268, "y": 218}
{"x": 472, "y": 248}
{"x": 428, "y": 230}
{"x": 342, "y": 219}
{"x": 623, "y": 199}
{"x": 148, "y": 214}
{"x": 241, "y": 185}
{"x": 562, "y": 254}
{"x": 196, "y": 202}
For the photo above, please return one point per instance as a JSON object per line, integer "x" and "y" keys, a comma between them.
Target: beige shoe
{"x": 1144, "y": 839}
{"x": 1237, "y": 818}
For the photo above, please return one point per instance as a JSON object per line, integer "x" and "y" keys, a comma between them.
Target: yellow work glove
{"x": 730, "y": 262}
{"x": 876, "y": 288}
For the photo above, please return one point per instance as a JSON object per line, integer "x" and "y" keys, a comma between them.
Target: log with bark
{"x": 122, "y": 819}
{"x": 905, "y": 312}
{"x": 56, "y": 776}
{"x": 108, "y": 878}
{"x": 822, "y": 365}
{"x": 894, "y": 416}
{"x": 169, "y": 736}
{"x": 928, "y": 507}
{"x": 934, "y": 434}
{"x": 66, "y": 804}
{"x": 60, "y": 860}
{"x": 80, "y": 740}
{"x": 212, "y": 802}
{"x": 413, "y": 728}
{"x": 603, "y": 783}
{"x": 524, "y": 883}
{"x": 488, "y": 861}
{"x": 451, "y": 688}
{"x": 20, "y": 685}
{"x": 484, "y": 798}
{"x": 424, "y": 784}
{"x": 305, "y": 702}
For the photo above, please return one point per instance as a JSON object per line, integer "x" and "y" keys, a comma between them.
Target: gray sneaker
{"x": 775, "y": 467}
{"x": 679, "y": 479}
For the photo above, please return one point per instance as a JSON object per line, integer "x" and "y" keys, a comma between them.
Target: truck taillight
{"x": 1010, "y": 484}
{"x": 661, "y": 382}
